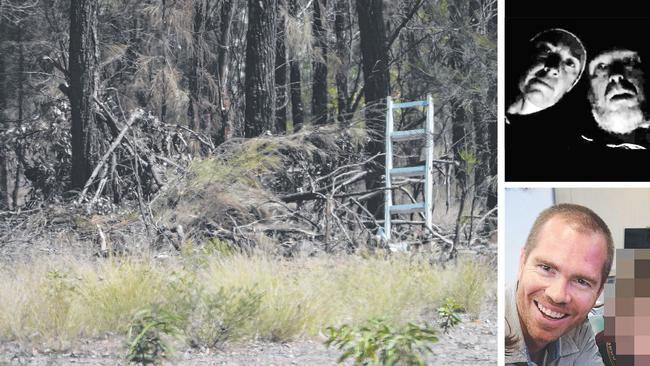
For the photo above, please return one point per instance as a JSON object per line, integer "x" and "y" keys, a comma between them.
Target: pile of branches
{"x": 296, "y": 194}
{"x": 299, "y": 193}
{"x": 276, "y": 191}
{"x": 138, "y": 150}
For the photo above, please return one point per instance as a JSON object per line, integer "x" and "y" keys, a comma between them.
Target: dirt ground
{"x": 472, "y": 342}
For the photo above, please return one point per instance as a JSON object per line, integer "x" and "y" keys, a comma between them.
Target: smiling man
{"x": 557, "y": 61}
{"x": 616, "y": 93}
{"x": 562, "y": 269}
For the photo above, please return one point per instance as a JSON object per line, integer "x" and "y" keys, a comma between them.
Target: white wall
{"x": 521, "y": 209}
{"x": 620, "y": 208}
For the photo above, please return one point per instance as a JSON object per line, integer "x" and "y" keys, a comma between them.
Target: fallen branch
{"x": 318, "y": 194}
{"x": 291, "y": 230}
{"x": 433, "y": 232}
{"x": 136, "y": 115}
{"x": 335, "y": 171}
{"x": 484, "y": 217}
{"x": 207, "y": 143}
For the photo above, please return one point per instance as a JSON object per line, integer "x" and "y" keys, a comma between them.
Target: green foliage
{"x": 469, "y": 158}
{"x": 376, "y": 343}
{"x": 224, "y": 315}
{"x": 218, "y": 247}
{"x": 484, "y": 41}
{"x": 199, "y": 255}
{"x": 448, "y": 314}
{"x": 147, "y": 343}
{"x": 242, "y": 166}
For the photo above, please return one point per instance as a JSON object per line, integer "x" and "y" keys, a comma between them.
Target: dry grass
{"x": 55, "y": 301}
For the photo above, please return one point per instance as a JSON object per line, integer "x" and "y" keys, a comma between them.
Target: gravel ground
{"x": 473, "y": 342}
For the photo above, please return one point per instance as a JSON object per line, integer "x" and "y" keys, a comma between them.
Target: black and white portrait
{"x": 575, "y": 93}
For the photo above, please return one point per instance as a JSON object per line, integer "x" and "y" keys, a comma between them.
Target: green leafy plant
{"x": 147, "y": 336}
{"x": 448, "y": 314}
{"x": 376, "y": 343}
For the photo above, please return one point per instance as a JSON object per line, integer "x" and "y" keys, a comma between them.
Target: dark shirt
{"x": 607, "y": 349}
{"x": 608, "y": 156}
{"x": 545, "y": 146}
{"x": 538, "y": 147}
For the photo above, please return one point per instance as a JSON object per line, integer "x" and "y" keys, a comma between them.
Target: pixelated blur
{"x": 627, "y": 308}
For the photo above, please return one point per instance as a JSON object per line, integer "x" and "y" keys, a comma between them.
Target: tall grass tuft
{"x": 233, "y": 297}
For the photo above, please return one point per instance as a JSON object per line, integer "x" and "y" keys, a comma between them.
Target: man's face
{"x": 553, "y": 71}
{"x": 559, "y": 281}
{"x": 617, "y": 91}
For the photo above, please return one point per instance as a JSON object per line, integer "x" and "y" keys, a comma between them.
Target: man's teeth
{"x": 549, "y": 312}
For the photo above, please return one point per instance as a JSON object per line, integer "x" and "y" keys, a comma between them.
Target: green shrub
{"x": 376, "y": 343}
{"x": 448, "y": 314}
{"x": 147, "y": 343}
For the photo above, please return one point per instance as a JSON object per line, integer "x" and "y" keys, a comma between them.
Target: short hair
{"x": 563, "y": 36}
{"x": 580, "y": 218}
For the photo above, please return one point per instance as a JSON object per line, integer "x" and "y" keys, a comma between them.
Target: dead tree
{"x": 341, "y": 22}
{"x": 297, "y": 109}
{"x": 281, "y": 72}
{"x": 84, "y": 58}
{"x": 260, "y": 67}
{"x": 319, "y": 90}
{"x": 4, "y": 173}
{"x": 223, "y": 53}
{"x": 376, "y": 87}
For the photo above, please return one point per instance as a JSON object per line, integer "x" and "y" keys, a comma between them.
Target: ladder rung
{"x": 408, "y": 135}
{"x": 411, "y": 171}
{"x": 413, "y": 207}
{"x": 419, "y": 103}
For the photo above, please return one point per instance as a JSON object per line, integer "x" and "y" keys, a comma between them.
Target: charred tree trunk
{"x": 491, "y": 155}
{"x": 281, "y": 73}
{"x": 225, "y": 18}
{"x": 4, "y": 173}
{"x": 458, "y": 139}
{"x": 297, "y": 109}
{"x": 376, "y": 88}
{"x": 319, "y": 90}
{"x": 260, "y": 67}
{"x": 198, "y": 27}
{"x": 21, "y": 117}
{"x": 83, "y": 89}
{"x": 164, "y": 44}
{"x": 343, "y": 54}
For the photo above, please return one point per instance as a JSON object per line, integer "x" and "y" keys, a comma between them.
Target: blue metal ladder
{"x": 426, "y": 171}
